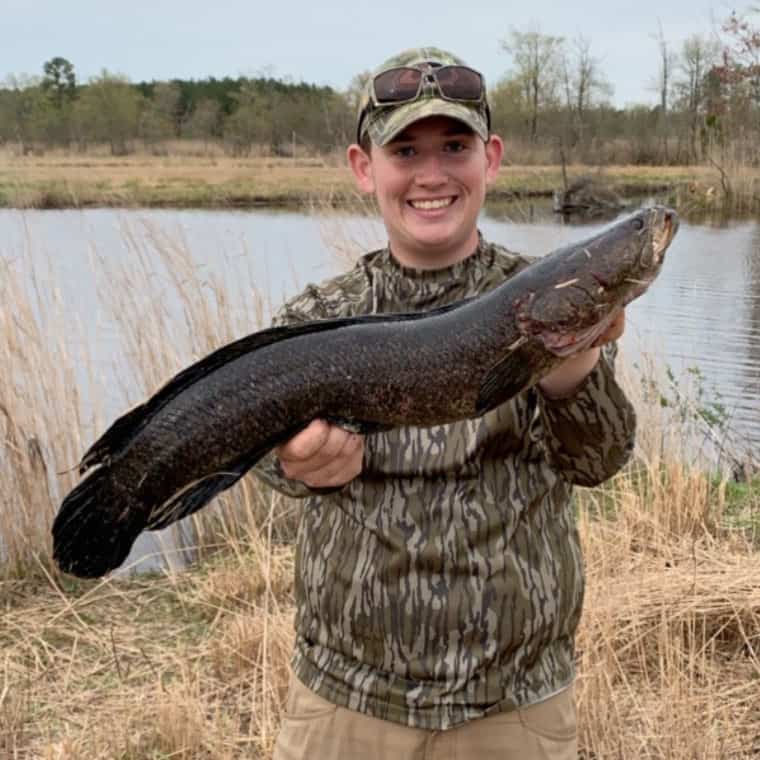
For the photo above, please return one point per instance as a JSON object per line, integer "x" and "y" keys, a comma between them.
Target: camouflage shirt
{"x": 445, "y": 583}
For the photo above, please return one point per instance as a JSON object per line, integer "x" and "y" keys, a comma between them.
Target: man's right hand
{"x": 322, "y": 455}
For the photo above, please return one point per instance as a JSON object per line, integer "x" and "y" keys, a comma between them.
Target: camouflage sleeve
{"x": 303, "y": 308}
{"x": 590, "y": 435}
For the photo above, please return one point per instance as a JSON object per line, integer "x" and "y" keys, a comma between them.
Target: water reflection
{"x": 752, "y": 286}
{"x": 541, "y": 210}
{"x": 701, "y": 312}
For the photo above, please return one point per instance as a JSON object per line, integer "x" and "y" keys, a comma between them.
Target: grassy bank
{"x": 69, "y": 181}
{"x": 194, "y": 664}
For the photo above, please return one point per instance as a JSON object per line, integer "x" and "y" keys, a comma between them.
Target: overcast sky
{"x": 327, "y": 42}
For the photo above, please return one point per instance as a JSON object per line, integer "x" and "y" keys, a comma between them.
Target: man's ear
{"x": 494, "y": 154}
{"x": 361, "y": 167}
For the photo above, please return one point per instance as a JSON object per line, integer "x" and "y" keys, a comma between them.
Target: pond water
{"x": 703, "y": 312}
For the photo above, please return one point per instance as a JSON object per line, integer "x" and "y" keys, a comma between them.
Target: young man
{"x": 439, "y": 579}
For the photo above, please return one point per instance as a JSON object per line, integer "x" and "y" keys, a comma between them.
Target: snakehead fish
{"x": 206, "y": 427}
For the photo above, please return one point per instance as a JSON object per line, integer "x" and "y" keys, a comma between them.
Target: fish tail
{"x": 96, "y": 526}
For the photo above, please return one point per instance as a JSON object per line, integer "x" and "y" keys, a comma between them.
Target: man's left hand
{"x": 565, "y": 379}
{"x": 613, "y": 332}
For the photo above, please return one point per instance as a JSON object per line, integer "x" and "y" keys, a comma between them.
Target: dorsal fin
{"x": 121, "y": 432}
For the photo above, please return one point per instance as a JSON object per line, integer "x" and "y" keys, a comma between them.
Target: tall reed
{"x": 42, "y": 419}
{"x": 53, "y": 400}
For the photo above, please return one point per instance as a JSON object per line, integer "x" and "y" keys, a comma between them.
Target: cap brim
{"x": 386, "y": 123}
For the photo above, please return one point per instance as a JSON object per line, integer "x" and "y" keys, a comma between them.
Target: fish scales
{"x": 210, "y": 424}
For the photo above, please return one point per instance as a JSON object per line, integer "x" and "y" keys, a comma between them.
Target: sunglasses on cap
{"x": 405, "y": 84}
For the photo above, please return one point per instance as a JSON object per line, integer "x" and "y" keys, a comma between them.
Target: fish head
{"x": 626, "y": 258}
{"x": 582, "y": 287}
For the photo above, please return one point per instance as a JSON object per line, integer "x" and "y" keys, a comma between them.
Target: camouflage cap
{"x": 383, "y": 123}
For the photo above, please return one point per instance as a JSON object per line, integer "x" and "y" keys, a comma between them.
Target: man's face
{"x": 430, "y": 183}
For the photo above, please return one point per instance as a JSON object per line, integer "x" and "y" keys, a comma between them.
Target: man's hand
{"x": 565, "y": 379}
{"x": 614, "y": 331}
{"x": 322, "y": 455}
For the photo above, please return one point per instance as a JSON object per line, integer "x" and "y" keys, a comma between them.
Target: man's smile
{"x": 432, "y": 203}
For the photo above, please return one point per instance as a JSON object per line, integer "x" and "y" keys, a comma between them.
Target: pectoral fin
{"x": 506, "y": 379}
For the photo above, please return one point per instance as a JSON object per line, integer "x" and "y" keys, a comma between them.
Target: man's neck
{"x": 432, "y": 259}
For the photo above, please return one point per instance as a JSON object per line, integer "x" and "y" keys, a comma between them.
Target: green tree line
{"x": 554, "y": 102}
{"x": 56, "y": 111}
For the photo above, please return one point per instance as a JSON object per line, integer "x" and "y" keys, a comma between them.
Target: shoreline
{"x": 152, "y": 182}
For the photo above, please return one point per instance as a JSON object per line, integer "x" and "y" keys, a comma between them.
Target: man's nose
{"x": 430, "y": 171}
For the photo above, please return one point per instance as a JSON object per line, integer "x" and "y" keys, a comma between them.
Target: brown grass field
{"x": 192, "y": 179}
{"x": 194, "y": 663}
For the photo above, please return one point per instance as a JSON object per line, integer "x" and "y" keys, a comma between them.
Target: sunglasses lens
{"x": 459, "y": 82}
{"x": 397, "y": 85}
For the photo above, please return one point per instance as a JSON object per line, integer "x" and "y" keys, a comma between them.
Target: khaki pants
{"x": 315, "y": 729}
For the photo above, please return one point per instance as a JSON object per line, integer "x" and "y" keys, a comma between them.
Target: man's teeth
{"x": 440, "y": 203}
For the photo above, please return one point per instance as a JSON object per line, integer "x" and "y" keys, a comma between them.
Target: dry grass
{"x": 188, "y": 666}
{"x": 194, "y": 664}
{"x": 670, "y": 638}
{"x": 70, "y": 180}
{"x": 669, "y": 646}
{"x": 57, "y": 180}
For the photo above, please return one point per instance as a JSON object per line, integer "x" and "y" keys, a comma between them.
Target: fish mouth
{"x": 663, "y": 233}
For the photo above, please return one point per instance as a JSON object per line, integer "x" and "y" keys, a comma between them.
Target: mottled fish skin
{"x": 208, "y": 426}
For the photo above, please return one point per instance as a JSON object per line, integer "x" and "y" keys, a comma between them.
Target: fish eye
{"x": 638, "y": 224}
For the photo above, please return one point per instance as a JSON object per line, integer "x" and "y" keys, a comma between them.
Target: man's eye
{"x": 455, "y": 146}
{"x": 406, "y": 151}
